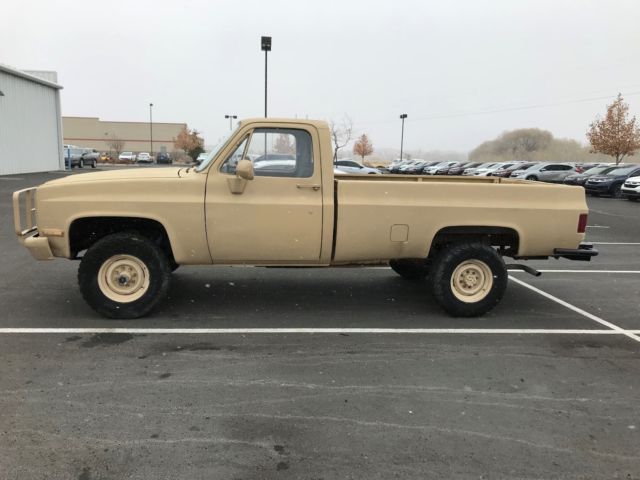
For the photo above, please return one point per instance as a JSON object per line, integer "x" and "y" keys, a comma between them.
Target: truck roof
{"x": 315, "y": 123}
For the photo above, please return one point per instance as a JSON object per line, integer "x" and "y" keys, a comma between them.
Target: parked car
{"x": 127, "y": 157}
{"x": 202, "y": 157}
{"x": 458, "y": 169}
{"x": 163, "y": 157}
{"x": 611, "y": 183}
{"x": 472, "y": 170}
{"x": 89, "y": 157}
{"x": 546, "y": 172}
{"x": 581, "y": 178}
{"x": 73, "y": 156}
{"x": 104, "y": 158}
{"x": 351, "y": 166}
{"x": 631, "y": 189}
{"x": 144, "y": 157}
{"x": 416, "y": 168}
{"x": 432, "y": 169}
{"x": 508, "y": 171}
{"x": 444, "y": 169}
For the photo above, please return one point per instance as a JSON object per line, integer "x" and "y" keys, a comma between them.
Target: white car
{"x": 631, "y": 188}
{"x": 472, "y": 171}
{"x": 350, "y": 166}
{"x": 127, "y": 156}
{"x": 434, "y": 168}
{"x": 202, "y": 157}
{"x": 144, "y": 157}
{"x": 487, "y": 171}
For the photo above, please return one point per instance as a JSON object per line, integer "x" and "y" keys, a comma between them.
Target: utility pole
{"x": 231, "y": 119}
{"x": 151, "y": 128}
{"x": 265, "y": 43}
{"x": 402, "y": 117}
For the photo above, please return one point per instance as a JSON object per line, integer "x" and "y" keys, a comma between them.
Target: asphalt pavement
{"x": 251, "y": 373}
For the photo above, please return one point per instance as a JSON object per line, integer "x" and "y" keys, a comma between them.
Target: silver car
{"x": 546, "y": 172}
{"x": 350, "y": 166}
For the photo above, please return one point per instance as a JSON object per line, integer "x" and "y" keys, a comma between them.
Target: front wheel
{"x": 124, "y": 275}
{"x": 468, "y": 279}
{"x": 616, "y": 191}
{"x": 533, "y": 178}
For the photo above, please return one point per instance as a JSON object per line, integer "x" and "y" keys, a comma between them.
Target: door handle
{"x": 314, "y": 187}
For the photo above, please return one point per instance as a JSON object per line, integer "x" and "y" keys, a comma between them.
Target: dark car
{"x": 506, "y": 172}
{"x": 458, "y": 169}
{"x": 444, "y": 169}
{"x": 163, "y": 157}
{"x": 611, "y": 183}
{"x": 416, "y": 168}
{"x": 581, "y": 178}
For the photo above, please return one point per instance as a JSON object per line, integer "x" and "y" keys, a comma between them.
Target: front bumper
{"x": 24, "y": 210}
{"x": 630, "y": 192}
{"x": 584, "y": 252}
{"x": 597, "y": 187}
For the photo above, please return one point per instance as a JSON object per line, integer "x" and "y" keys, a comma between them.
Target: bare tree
{"x": 116, "y": 144}
{"x": 616, "y": 134}
{"x": 284, "y": 145}
{"x": 363, "y": 147}
{"x": 340, "y": 134}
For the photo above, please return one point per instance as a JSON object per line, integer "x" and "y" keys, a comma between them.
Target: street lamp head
{"x": 1, "y": 94}
{"x": 151, "y": 104}
{"x": 265, "y": 44}
{"x": 403, "y": 116}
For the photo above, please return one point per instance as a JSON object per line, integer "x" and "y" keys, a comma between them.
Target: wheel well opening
{"x": 84, "y": 232}
{"x": 506, "y": 240}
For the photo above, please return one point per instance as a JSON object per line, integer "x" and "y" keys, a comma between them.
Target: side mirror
{"x": 244, "y": 169}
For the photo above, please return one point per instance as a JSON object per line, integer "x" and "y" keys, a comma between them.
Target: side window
{"x": 281, "y": 152}
{"x": 566, "y": 167}
{"x": 229, "y": 165}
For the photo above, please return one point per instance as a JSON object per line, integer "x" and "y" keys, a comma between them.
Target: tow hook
{"x": 524, "y": 268}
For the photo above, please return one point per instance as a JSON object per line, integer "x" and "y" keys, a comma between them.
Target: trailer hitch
{"x": 524, "y": 268}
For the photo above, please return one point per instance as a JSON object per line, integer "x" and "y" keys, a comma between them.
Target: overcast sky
{"x": 463, "y": 71}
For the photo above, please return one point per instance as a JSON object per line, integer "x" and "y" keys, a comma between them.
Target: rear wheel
{"x": 468, "y": 279}
{"x": 81, "y": 164}
{"x": 124, "y": 275}
{"x": 94, "y": 164}
{"x": 532, "y": 178}
{"x": 410, "y": 269}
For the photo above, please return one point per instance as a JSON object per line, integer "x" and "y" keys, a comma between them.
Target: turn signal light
{"x": 582, "y": 223}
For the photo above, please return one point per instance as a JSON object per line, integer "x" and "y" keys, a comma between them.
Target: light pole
{"x": 151, "y": 128}
{"x": 402, "y": 117}
{"x": 231, "y": 119}
{"x": 265, "y": 43}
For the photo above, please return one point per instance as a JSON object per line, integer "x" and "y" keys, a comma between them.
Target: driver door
{"x": 277, "y": 219}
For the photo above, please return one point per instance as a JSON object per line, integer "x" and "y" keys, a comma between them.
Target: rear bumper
{"x": 584, "y": 252}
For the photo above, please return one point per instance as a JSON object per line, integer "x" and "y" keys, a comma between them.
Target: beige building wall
{"x": 91, "y": 132}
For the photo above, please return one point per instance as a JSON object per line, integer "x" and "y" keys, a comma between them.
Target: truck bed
{"x": 394, "y": 216}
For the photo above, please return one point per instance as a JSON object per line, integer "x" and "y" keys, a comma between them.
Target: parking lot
{"x": 250, "y": 373}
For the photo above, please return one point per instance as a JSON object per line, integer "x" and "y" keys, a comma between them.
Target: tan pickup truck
{"x": 268, "y": 197}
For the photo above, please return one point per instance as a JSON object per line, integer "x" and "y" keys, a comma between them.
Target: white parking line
{"x": 616, "y": 243}
{"x": 597, "y": 226}
{"x": 580, "y": 271}
{"x": 578, "y": 310}
{"x": 518, "y": 331}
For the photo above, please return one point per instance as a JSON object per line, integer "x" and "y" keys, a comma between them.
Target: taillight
{"x": 582, "y": 223}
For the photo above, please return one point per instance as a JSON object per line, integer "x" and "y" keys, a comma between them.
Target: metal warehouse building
{"x": 30, "y": 123}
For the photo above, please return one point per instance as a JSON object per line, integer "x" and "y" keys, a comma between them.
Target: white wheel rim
{"x": 471, "y": 281}
{"x": 123, "y": 278}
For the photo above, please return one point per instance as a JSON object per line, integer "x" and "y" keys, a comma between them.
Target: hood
{"x": 120, "y": 174}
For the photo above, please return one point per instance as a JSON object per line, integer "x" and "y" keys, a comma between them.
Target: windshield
{"x": 623, "y": 170}
{"x": 214, "y": 151}
{"x": 595, "y": 170}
